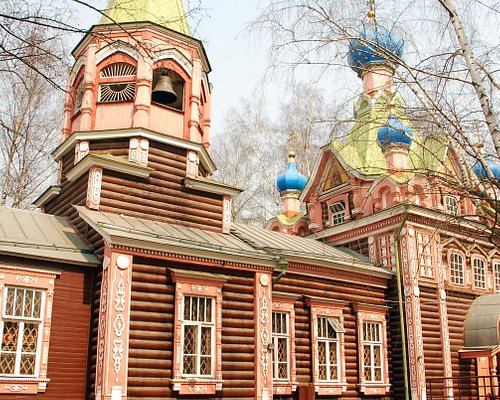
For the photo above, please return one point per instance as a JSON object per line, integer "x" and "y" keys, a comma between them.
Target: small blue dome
{"x": 479, "y": 170}
{"x": 374, "y": 45}
{"x": 291, "y": 179}
{"x": 394, "y": 132}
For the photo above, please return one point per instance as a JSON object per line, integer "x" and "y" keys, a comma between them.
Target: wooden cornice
{"x": 94, "y": 136}
{"x": 110, "y": 162}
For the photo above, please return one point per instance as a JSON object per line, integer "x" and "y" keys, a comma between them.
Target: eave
{"x": 51, "y": 193}
{"x": 69, "y": 144}
{"x": 133, "y": 27}
{"x": 110, "y": 162}
{"x": 211, "y": 186}
{"x": 459, "y": 223}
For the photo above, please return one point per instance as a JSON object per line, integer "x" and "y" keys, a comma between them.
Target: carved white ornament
{"x": 117, "y": 354}
{"x": 94, "y": 188}
{"x": 192, "y": 165}
{"x": 198, "y": 389}
{"x": 122, "y": 262}
{"x": 138, "y": 150}
{"x": 264, "y": 358}
{"x": 199, "y": 288}
{"x": 81, "y": 150}
{"x": 15, "y": 388}
{"x": 119, "y": 325}
{"x": 101, "y": 355}
{"x": 120, "y": 296}
{"x": 226, "y": 222}
{"x": 26, "y": 279}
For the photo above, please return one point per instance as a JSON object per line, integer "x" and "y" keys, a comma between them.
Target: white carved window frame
{"x": 204, "y": 285}
{"x": 374, "y": 314}
{"x": 386, "y": 250}
{"x": 40, "y": 280}
{"x": 284, "y": 304}
{"x": 425, "y": 251}
{"x": 456, "y": 268}
{"x": 496, "y": 275}
{"x": 338, "y": 213}
{"x": 479, "y": 272}
{"x": 451, "y": 205}
{"x": 328, "y": 309}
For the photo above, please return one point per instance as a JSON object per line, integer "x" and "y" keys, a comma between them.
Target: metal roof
{"x": 41, "y": 236}
{"x": 243, "y": 242}
{"x": 143, "y": 233}
{"x": 482, "y": 324}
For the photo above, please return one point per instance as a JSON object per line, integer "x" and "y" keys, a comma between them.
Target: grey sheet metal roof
{"x": 41, "y": 236}
{"x": 302, "y": 249}
{"x": 243, "y": 241}
{"x": 144, "y": 233}
{"x": 482, "y": 324}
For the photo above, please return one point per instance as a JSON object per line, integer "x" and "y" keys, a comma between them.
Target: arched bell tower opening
{"x": 168, "y": 88}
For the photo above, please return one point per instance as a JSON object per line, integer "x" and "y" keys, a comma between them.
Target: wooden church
{"x": 134, "y": 283}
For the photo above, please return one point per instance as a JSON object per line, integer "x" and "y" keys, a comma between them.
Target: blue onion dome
{"x": 291, "y": 179}
{"x": 394, "y": 132}
{"x": 480, "y": 171}
{"x": 375, "y": 44}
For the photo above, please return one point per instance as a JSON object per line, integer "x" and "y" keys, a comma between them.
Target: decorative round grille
{"x": 117, "y": 70}
{"x": 110, "y": 92}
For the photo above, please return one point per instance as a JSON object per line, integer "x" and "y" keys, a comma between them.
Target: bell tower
{"x": 136, "y": 128}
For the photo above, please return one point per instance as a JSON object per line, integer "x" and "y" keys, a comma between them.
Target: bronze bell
{"x": 163, "y": 92}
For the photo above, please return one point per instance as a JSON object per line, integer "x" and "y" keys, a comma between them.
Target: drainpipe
{"x": 283, "y": 264}
{"x": 397, "y": 237}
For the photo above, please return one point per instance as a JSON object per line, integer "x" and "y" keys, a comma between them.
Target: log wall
{"x": 68, "y": 349}
{"x": 152, "y": 325}
{"x": 395, "y": 343}
{"x": 340, "y": 291}
{"x": 162, "y": 196}
{"x": 431, "y": 333}
{"x": 458, "y": 304}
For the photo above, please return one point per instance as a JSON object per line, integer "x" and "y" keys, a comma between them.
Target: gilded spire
{"x": 168, "y": 13}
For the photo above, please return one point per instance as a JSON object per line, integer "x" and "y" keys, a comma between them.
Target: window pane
{"x": 209, "y": 310}
{"x": 7, "y": 363}
{"x": 30, "y": 337}
{"x": 206, "y": 341}
{"x": 333, "y": 361}
{"x": 37, "y": 304}
{"x": 187, "y": 308}
{"x": 367, "y": 362}
{"x": 27, "y": 366}
{"x": 18, "y": 309}
{"x": 10, "y": 335}
{"x": 9, "y": 301}
{"x": 205, "y": 366}
{"x": 189, "y": 349}
{"x": 321, "y": 352}
{"x": 28, "y": 303}
{"x": 194, "y": 308}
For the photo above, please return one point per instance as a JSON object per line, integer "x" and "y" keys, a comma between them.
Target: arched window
{"x": 479, "y": 267}
{"x": 79, "y": 91}
{"x": 456, "y": 268}
{"x": 384, "y": 198}
{"x": 338, "y": 213}
{"x": 117, "y": 83}
{"x": 496, "y": 272}
{"x": 451, "y": 205}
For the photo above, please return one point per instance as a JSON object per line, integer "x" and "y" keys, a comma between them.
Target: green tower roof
{"x": 361, "y": 153}
{"x": 167, "y": 13}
